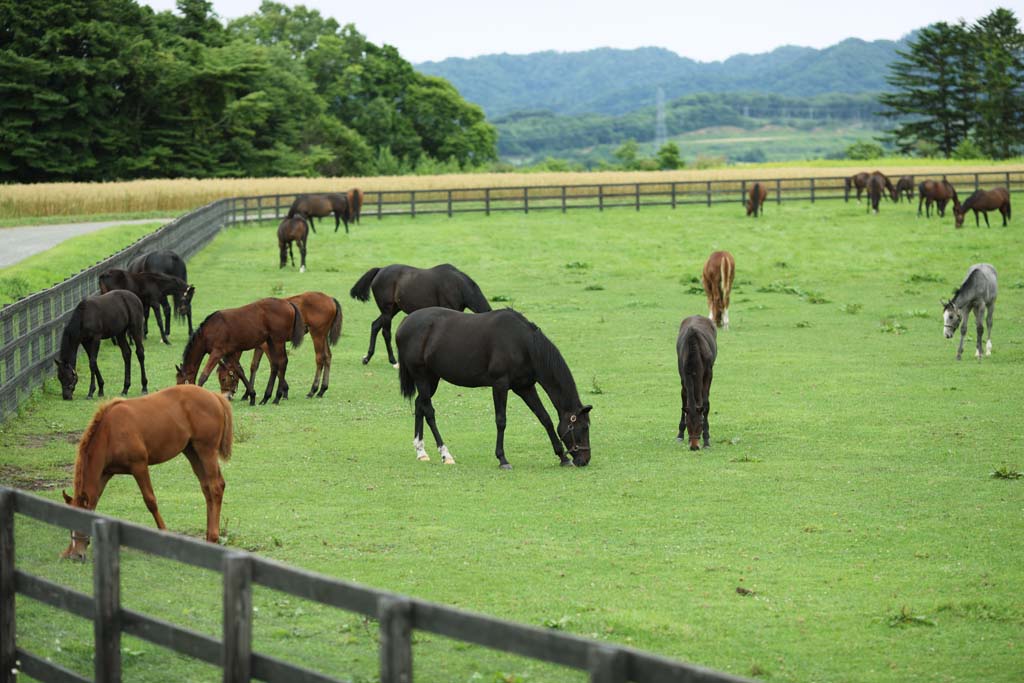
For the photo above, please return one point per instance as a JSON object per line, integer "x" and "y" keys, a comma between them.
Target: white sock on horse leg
{"x": 421, "y": 453}
{"x": 446, "y": 457}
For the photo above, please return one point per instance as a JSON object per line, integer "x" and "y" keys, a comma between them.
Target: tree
{"x": 668, "y": 157}
{"x": 627, "y": 153}
{"x": 864, "y": 150}
{"x": 1000, "y": 125}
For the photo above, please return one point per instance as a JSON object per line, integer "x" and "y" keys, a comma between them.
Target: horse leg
{"x": 681, "y": 436}
{"x": 211, "y": 363}
{"x": 386, "y": 331}
{"x": 374, "y": 329}
{"x": 988, "y": 323}
{"x": 236, "y": 365}
{"x": 211, "y": 482}
{"x": 979, "y": 330}
{"x": 707, "y": 408}
{"x": 167, "y": 315}
{"x": 95, "y": 378}
{"x": 302, "y": 253}
{"x": 328, "y": 356}
{"x": 291, "y": 252}
{"x": 126, "y": 354}
{"x": 320, "y": 347}
{"x": 963, "y": 333}
{"x": 257, "y": 356}
{"x": 425, "y": 388}
{"x": 532, "y": 400}
{"x": 985, "y": 213}
{"x": 500, "y": 396}
{"x": 141, "y": 474}
{"x": 160, "y": 324}
{"x": 282, "y": 260}
{"x": 140, "y": 353}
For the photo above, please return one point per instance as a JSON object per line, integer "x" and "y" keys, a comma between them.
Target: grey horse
{"x": 977, "y": 293}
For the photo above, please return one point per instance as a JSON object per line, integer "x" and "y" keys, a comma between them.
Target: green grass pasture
{"x": 844, "y": 526}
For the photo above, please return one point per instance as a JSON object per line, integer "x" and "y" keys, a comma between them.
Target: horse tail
{"x": 361, "y": 289}
{"x": 227, "y": 437}
{"x": 335, "y": 332}
{"x": 294, "y": 208}
{"x": 405, "y": 379}
{"x": 1008, "y": 216}
{"x": 847, "y": 183}
{"x": 298, "y": 327}
{"x": 756, "y": 199}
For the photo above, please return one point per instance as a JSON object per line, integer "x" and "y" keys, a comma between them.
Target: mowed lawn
{"x": 848, "y": 490}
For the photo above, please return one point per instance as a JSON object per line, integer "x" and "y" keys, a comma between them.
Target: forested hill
{"x": 610, "y": 81}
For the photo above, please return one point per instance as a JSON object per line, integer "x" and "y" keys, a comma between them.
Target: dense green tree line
{"x": 107, "y": 89}
{"x": 959, "y": 89}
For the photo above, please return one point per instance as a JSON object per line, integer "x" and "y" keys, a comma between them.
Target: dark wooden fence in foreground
{"x": 398, "y": 615}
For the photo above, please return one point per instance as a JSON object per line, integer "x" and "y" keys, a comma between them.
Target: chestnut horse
{"x": 905, "y": 187}
{"x": 355, "y": 205}
{"x": 292, "y": 230}
{"x": 984, "y": 201}
{"x": 126, "y": 436}
{"x": 860, "y": 181}
{"x": 717, "y": 278}
{"x": 322, "y": 315}
{"x": 313, "y": 206}
{"x": 938, "y": 191}
{"x": 755, "y": 201}
{"x": 696, "y": 349}
{"x": 876, "y": 186}
{"x": 226, "y": 333}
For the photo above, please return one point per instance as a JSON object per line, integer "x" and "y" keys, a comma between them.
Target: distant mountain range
{"x": 611, "y": 81}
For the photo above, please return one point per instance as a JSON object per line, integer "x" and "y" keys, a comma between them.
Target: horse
{"x": 115, "y": 315}
{"x": 127, "y": 436}
{"x": 976, "y": 293}
{"x": 696, "y": 349}
{"x": 876, "y": 185}
{"x": 152, "y": 289}
{"x": 984, "y": 201}
{"x": 717, "y": 277}
{"x": 904, "y": 187}
{"x": 405, "y": 288}
{"x": 355, "y": 204}
{"x": 292, "y": 230}
{"x": 320, "y": 205}
{"x": 860, "y": 181}
{"x": 755, "y": 201}
{"x": 500, "y": 349}
{"x": 226, "y": 333}
{"x": 322, "y": 316}
{"x": 938, "y": 191}
{"x": 169, "y": 263}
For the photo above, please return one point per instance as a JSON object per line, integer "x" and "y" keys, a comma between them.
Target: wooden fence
{"x": 398, "y": 615}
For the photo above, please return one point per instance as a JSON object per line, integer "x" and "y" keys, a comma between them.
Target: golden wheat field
{"x": 174, "y": 196}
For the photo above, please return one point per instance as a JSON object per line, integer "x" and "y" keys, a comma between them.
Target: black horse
{"x": 152, "y": 289}
{"x": 115, "y": 315}
{"x": 166, "y": 262}
{"x": 697, "y": 348}
{"x": 502, "y": 350}
{"x": 405, "y": 288}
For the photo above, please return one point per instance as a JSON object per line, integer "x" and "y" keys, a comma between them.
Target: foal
{"x": 977, "y": 293}
{"x": 755, "y": 201}
{"x": 717, "y": 278}
{"x": 696, "y": 348}
{"x": 289, "y": 231}
{"x": 984, "y": 201}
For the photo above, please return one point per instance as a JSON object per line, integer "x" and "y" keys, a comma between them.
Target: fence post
{"x": 106, "y": 582}
{"x": 237, "y": 658}
{"x": 778, "y": 191}
{"x": 395, "y": 616}
{"x": 638, "y": 196}
{"x": 8, "y": 643}
{"x": 1008, "y": 182}
{"x": 245, "y": 209}
{"x": 449, "y": 203}
{"x": 487, "y": 201}
{"x": 709, "y": 193}
{"x": 259, "y": 208}
{"x": 277, "y": 207}
{"x": 812, "y": 190}
{"x": 526, "y": 200}
{"x": 412, "y": 203}
{"x": 606, "y": 665}
{"x": 977, "y": 184}
{"x": 600, "y": 197}
{"x": 673, "y": 194}
{"x": 743, "y": 192}
{"x": 563, "y": 192}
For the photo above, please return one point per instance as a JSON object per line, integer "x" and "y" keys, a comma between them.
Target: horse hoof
{"x": 567, "y": 463}
{"x": 310, "y": 394}
{"x": 302, "y": 269}
{"x": 504, "y": 466}
{"x": 366, "y": 359}
{"x": 679, "y": 439}
{"x": 394, "y": 365}
{"x": 423, "y": 457}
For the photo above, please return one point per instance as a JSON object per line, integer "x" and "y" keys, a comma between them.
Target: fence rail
{"x": 30, "y": 328}
{"x": 398, "y": 615}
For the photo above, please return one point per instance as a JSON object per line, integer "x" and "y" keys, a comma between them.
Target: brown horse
{"x": 313, "y": 206}
{"x": 904, "y": 187}
{"x": 355, "y": 205}
{"x": 756, "y": 197}
{"x": 984, "y": 201}
{"x": 152, "y": 290}
{"x": 292, "y": 230}
{"x": 322, "y": 315}
{"x": 126, "y": 436}
{"x": 876, "y": 186}
{"x": 860, "y": 181}
{"x": 938, "y": 191}
{"x": 226, "y": 333}
{"x": 717, "y": 278}
{"x": 696, "y": 349}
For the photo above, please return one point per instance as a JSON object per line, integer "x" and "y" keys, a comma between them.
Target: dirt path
{"x": 20, "y": 243}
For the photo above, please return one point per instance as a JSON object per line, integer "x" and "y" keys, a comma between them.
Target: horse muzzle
{"x": 581, "y": 458}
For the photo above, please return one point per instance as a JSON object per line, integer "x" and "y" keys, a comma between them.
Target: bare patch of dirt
{"x": 11, "y": 475}
{"x": 43, "y": 440}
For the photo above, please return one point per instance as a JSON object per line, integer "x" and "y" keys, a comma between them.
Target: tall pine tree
{"x": 1000, "y": 127}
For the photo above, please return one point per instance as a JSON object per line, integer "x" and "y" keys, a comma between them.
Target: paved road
{"x": 20, "y": 243}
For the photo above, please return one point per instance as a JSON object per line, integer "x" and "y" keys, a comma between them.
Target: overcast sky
{"x": 706, "y": 31}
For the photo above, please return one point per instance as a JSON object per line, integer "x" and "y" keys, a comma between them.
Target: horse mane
{"x": 963, "y": 285}
{"x": 195, "y": 336}
{"x": 548, "y": 360}
{"x": 969, "y": 202}
{"x": 86, "y": 441}
{"x": 72, "y": 333}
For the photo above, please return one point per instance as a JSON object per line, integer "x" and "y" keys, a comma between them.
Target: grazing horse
{"x": 904, "y": 187}
{"x": 938, "y": 191}
{"x": 127, "y": 436}
{"x": 166, "y": 262}
{"x": 322, "y": 316}
{"x": 355, "y": 204}
{"x": 116, "y": 315}
{"x": 977, "y": 293}
{"x": 717, "y": 278}
{"x": 319, "y": 205}
{"x": 876, "y": 186}
{"x": 226, "y": 333}
{"x": 152, "y": 289}
{"x": 696, "y": 348}
{"x": 755, "y": 200}
{"x": 404, "y": 288}
{"x": 292, "y": 230}
{"x": 860, "y": 181}
{"x": 984, "y": 201}
{"x": 502, "y": 350}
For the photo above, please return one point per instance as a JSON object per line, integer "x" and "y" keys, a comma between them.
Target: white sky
{"x": 709, "y": 30}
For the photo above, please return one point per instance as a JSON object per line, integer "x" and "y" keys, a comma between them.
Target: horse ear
{"x": 586, "y": 409}
{"x": 67, "y": 498}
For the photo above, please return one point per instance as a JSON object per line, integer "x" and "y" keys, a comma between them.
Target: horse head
{"x": 68, "y": 377}
{"x": 694, "y": 420}
{"x": 184, "y": 307}
{"x": 574, "y": 430}
{"x": 228, "y": 380}
{"x": 183, "y": 374}
{"x": 958, "y": 214}
{"x": 76, "y": 550}
{"x": 951, "y": 316}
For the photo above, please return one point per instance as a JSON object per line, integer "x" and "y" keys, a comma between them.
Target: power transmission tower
{"x": 660, "y": 130}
